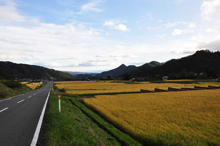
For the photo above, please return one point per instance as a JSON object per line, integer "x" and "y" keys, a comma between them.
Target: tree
{"x": 127, "y": 76}
{"x": 109, "y": 77}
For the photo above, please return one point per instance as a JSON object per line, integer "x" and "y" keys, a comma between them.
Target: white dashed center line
{"x": 20, "y": 101}
{"x": 3, "y": 109}
{"x": 29, "y": 97}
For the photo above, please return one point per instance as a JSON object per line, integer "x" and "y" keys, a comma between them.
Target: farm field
{"x": 95, "y": 87}
{"x": 168, "y": 118}
{"x": 23, "y": 83}
{"x": 34, "y": 85}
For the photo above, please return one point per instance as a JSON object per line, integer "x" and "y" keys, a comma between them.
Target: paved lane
{"x": 19, "y": 117}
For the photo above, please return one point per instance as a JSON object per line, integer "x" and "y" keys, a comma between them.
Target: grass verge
{"x": 123, "y": 138}
{"x": 72, "y": 127}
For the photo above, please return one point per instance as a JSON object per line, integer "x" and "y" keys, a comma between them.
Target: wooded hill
{"x": 119, "y": 71}
{"x": 9, "y": 70}
{"x": 203, "y": 63}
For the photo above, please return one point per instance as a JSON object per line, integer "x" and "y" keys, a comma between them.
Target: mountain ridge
{"x": 191, "y": 66}
{"x": 120, "y": 70}
{"x": 10, "y": 70}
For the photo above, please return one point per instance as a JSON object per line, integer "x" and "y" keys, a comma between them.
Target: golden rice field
{"x": 23, "y": 83}
{"x": 168, "y": 118}
{"x": 93, "y": 87}
{"x": 34, "y": 85}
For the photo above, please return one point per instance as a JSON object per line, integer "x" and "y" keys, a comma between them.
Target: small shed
{"x": 164, "y": 78}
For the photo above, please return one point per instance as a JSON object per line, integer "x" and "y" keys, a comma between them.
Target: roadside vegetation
{"x": 10, "y": 88}
{"x": 78, "y": 125}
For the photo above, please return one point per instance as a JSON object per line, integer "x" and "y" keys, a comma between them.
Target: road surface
{"x": 19, "y": 117}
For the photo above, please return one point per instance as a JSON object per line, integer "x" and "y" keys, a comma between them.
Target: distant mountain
{"x": 81, "y": 73}
{"x": 122, "y": 69}
{"x": 150, "y": 64}
{"x": 204, "y": 61}
{"x": 84, "y": 76}
{"x": 9, "y": 70}
{"x": 117, "y": 71}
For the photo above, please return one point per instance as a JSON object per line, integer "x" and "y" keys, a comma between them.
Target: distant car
{"x": 218, "y": 79}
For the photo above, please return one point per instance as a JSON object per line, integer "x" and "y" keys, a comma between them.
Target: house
{"x": 164, "y": 78}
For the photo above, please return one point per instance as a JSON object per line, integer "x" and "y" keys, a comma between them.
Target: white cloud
{"x": 109, "y": 23}
{"x": 68, "y": 58}
{"x": 208, "y": 30}
{"x": 16, "y": 54}
{"x": 71, "y": 27}
{"x": 120, "y": 47}
{"x": 192, "y": 25}
{"x": 177, "y": 32}
{"x": 117, "y": 57}
{"x": 103, "y": 62}
{"x": 34, "y": 21}
{"x": 121, "y": 27}
{"x": 115, "y": 25}
{"x": 91, "y": 7}
{"x": 213, "y": 45}
{"x": 93, "y": 32}
{"x": 210, "y": 8}
{"x": 179, "y": 1}
{"x": 49, "y": 64}
{"x": 181, "y": 31}
{"x": 171, "y": 24}
{"x": 9, "y": 12}
{"x": 56, "y": 41}
{"x": 161, "y": 35}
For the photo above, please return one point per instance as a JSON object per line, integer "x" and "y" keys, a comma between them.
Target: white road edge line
{"x": 3, "y": 109}
{"x": 20, "y": 101}
{"x": 37, "y": 131}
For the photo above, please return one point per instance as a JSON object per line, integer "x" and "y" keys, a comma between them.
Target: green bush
{"x": 12, "y": 84}
{"x": 62, "y": 90}
{"x": 3, "y": 94}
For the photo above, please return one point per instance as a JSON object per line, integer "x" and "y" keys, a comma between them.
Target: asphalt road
{"x": 19, "y": 117}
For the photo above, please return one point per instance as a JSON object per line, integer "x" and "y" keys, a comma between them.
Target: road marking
{"x": 3, "y": 109}
{"x": 37, "y": 131}
{"x": 29, "y": 97}
{"x": 20, "y": 101}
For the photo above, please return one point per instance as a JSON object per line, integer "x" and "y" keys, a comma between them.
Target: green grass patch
{"x": 123, "y": 138}
{"x": 72, "y": 127}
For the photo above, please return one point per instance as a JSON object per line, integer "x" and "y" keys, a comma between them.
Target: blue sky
{"x": 98, "y": 35}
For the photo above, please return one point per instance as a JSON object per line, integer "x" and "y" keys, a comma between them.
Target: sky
{"x": 99, "y": 35}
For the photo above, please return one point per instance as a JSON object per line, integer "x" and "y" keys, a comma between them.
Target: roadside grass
{"x": 16, "y": 91}
{"x": 123, "y": 138}
{"x": 72, "y": 127}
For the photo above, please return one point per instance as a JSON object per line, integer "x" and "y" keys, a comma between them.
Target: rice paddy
{"x": 95, "y": 87}
{"x": 170, "y": 118}
{"x": 160, "y": 118}
{"x": 33, "y": 85}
